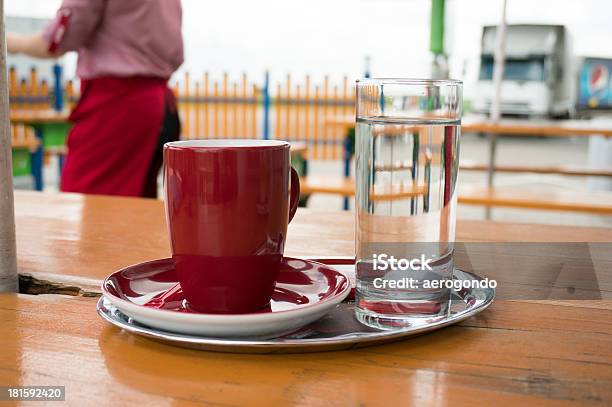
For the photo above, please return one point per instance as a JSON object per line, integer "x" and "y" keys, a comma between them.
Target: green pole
{"x": 436, "y": 39}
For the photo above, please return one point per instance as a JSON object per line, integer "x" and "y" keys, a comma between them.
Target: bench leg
{"x": 60, "y": 164}
{"x": 37, "y": 162}
{"x": 347, "y": 168}
{"x": 305, "y": 167}
{"x": 491, "y": 168}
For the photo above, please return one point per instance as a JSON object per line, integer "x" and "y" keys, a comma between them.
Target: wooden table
{"x": 547, "y": 128}
{"x": 516, "y": 353}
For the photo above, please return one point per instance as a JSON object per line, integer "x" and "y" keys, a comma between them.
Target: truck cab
{"x": 536, "y": 77}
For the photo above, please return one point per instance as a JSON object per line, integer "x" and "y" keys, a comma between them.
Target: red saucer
{"x": 149, "y": 292}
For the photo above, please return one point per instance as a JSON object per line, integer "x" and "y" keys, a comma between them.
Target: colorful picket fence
{"x": 290, "y": 110}
{"x": 32, "y": 94}
{"x": 294, "y": 110}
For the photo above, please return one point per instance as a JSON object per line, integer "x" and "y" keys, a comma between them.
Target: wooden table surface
{"x": 518, "y": 127}
{"x": 516, "y": 353}
{"x": 552, "y": 128}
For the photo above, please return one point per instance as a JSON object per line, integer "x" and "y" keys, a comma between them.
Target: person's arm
{"x": 74, "y": 25}
{"x": 34, "y": 45}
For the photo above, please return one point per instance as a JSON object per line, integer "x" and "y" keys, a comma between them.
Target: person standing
{"x": 127, "y": 51}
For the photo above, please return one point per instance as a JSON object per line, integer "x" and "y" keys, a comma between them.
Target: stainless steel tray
{"x": 337, "y": 330}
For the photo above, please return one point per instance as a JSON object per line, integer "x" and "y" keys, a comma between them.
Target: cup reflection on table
{"x": 407, "y": 156}
{"x": 228, "y": 204}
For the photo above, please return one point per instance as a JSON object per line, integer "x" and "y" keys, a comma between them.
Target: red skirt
{"x": 114, "y": 139}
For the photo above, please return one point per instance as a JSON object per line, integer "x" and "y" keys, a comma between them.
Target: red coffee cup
{"x": 228, "y": 204}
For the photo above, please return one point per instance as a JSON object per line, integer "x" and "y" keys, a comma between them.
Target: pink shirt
{"x": 120, "y": 37}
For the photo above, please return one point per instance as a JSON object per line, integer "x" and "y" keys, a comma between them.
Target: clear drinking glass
{"x": 407, "y": 158}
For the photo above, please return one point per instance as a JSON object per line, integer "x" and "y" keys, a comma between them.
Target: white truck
{"x": 538, "y": 78}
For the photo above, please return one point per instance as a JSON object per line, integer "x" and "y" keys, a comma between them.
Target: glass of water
{"x": 407, "y": 158}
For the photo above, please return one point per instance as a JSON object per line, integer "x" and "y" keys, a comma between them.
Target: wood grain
{"x": 546, "y": 353}
{"x": 514, "y": 354}
{"x": 81, "y": 239}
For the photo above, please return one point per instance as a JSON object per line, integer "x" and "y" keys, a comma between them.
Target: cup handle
{"x": 294, "y": 199}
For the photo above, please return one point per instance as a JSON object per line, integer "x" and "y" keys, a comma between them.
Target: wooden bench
{"x": 521, "y": 197}
{"x": 327, "y": 185}
{"x": 346, "y": 187}
{"x": 559, "y": 170}
{"x": 509, "y": 197}
{"x": 540, "y": 128}
{"x": 599, "y": 203}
